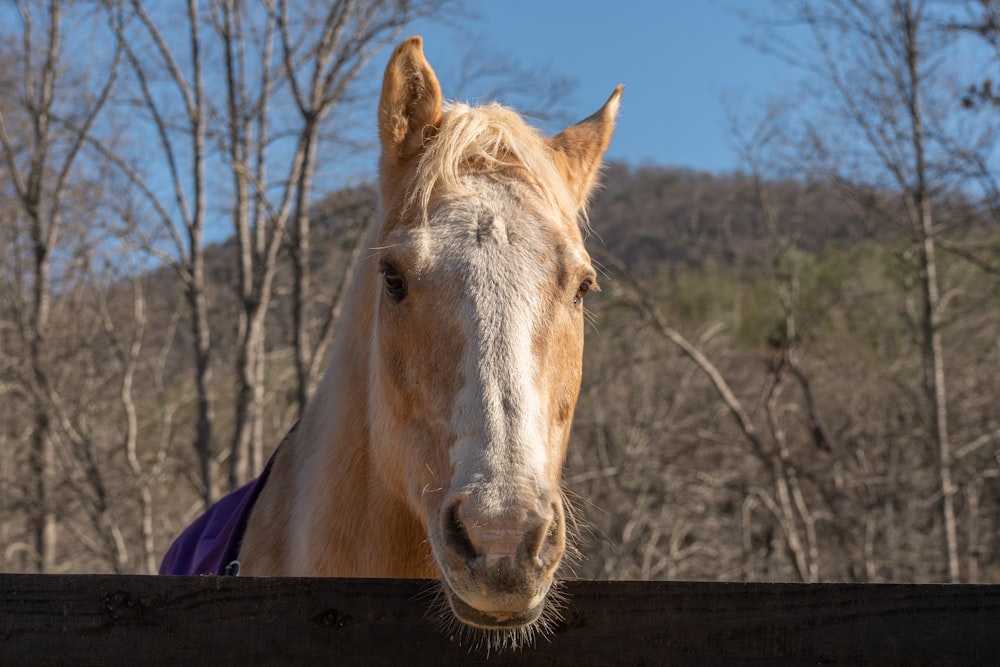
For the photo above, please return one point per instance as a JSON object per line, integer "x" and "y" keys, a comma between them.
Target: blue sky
{"x": 679, "y": 61}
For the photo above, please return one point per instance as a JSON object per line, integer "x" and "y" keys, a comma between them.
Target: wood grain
{"x": 139, "y": 620}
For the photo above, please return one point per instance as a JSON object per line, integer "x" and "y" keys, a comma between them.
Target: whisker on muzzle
{"x": 496, "y": 640}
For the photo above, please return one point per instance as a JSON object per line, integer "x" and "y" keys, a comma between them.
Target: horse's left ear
{"x": 578, "y": 149}
{"x": 410, "y": 109}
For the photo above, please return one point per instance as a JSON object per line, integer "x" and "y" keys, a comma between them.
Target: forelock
{"x": 492, "y": 141}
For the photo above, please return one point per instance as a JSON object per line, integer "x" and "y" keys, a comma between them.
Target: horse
{"x": 434, "y": 445}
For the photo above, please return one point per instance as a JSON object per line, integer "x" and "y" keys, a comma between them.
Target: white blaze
{"x": 500, "y": 448}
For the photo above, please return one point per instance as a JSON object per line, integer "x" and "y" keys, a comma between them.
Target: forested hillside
{"x": 831, "y": 478}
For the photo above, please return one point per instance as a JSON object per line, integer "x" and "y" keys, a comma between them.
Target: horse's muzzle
{"x": 499, "y": 568}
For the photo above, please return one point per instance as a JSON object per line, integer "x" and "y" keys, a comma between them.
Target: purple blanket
{"x": 211, "y": 545}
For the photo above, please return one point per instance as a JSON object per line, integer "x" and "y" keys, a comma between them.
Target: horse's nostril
{"x": 456, "y": 535}
{"x": 533, "y": 540}
{"x": 546, "y": 531}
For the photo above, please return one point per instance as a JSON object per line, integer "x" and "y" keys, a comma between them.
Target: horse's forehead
{"x": 498, "y": 225}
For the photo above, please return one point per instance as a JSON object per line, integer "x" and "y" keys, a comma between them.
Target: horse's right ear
{"x": 409, "y": 112}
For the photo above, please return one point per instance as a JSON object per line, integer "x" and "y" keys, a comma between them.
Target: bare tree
{"x": 258, "y": 229}
{"x": 169, "y": 93}
{"x": 785, "y": 500}
{"x": 42, "y": 139}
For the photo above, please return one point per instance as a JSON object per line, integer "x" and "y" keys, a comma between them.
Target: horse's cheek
{"x": 563, "y": 364}
{"x": 388, "y": 388}
{"x": 413, "y": 451}
{"x": 438, "y": 381}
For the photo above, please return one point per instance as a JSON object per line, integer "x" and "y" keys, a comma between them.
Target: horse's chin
{"x": 493, "y": 631}
{"x": 492, "y": 620}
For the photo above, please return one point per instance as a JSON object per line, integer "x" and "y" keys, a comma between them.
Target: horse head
{"x": 478, "y": 332}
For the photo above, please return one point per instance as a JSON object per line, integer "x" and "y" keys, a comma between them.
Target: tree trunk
{"x": 935, "y": 384}
{"x": 42, "y": 463}
{"x": 302, "y": 271}
{"x": 197, "y": 296}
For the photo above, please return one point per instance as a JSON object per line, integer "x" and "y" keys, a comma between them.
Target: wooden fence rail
{"x": 147, "y": 621}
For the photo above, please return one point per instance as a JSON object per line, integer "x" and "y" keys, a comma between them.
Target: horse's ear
{"x": 410, "y": 109}
{"x": 578, "y": 149}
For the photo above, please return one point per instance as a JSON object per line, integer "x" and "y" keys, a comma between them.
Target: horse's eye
{"x": 395, "y": 284}
{"x": 582, "y": 290}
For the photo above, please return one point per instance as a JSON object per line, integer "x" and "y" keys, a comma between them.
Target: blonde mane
{"x": 489, "y": 140}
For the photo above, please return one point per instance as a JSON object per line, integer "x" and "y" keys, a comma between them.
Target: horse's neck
{"x": 339, "y": 521}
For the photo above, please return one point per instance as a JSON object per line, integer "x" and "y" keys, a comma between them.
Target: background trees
{"x": 892, "y": 121}
{"x": 791, "y": 371}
